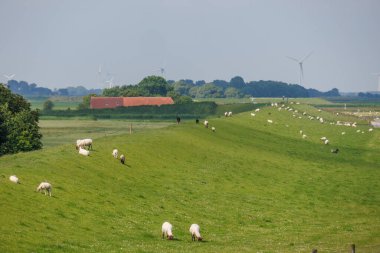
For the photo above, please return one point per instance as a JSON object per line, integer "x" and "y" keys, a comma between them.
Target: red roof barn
{"x": 112, "y": 102}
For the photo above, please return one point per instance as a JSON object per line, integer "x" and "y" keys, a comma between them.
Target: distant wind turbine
{"x": 301, "y": 65}
{"x": 10, "y": 77}
{"x": 110, "y": 83}
{"x": 378, "y": 81}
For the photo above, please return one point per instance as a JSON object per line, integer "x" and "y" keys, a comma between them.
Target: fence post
{"x": 314, "y": 251}
{"x": 352, "y": 248}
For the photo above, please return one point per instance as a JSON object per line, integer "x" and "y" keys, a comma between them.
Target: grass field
{"x": 251, "y": 186}
{"x": 60, "y": 103}
{"x": 58, "y": 132}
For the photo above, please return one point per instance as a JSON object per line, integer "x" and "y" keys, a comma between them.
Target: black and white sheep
{"x": 167, "y": 230}
{"x": 195, "y": 232}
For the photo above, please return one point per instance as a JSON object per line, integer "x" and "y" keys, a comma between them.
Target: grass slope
{"x": 251, "y": 186}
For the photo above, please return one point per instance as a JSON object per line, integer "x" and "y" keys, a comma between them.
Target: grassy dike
{"x": 251, "y": 186}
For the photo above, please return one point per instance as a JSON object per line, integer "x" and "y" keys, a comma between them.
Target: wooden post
{"x": 352, "y": 248}
{"x": 314, "y": 251}
{"x": 130, "y": 128}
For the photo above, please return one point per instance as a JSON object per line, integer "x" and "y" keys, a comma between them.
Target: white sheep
{"x": 304, "y": 136}
{"x": 326, "y": 142}
{"x": 252, "y": 114}
{"x": 115, "y": 153}
{"x": 167, "y": 230}
{"x": 213, "y": 129}
{"x": 205, "y": 123}
{"x": 46, "y": 187}
{"x": 301, "y": 132}
{"x": 195, "y": 232}
{"x": 14, "y": 179}
{"x": 257, "y": 110}
{"x": 229, "y": 114}
{"x": 343, "y": 133}
{"x": 84, "y": 143}
{"x": 323, "y": 138}
{"x": 122, "y": 159}
{"x": 270, "y": 121}
{"x": 225, "y": 114}
{"x": 83, "y": 151}
{"x": 370, "y": 130}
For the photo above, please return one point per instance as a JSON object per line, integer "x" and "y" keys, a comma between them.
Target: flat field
{"x": 252, "y": 186}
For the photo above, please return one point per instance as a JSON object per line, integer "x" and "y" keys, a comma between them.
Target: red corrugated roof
{"x": 112, "y": 102}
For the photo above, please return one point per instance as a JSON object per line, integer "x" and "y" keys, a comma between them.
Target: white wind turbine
{"x": 301, "y": 65}
{"x": 110, "y": 82}
{"x": 378, "y": 80}
{"x": 9, "y": 77}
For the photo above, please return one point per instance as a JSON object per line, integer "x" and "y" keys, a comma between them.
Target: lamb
{"x": 304, "y": 136}
{"x": 213, "y": 129}
{"x": 252, "y": 114}
{"x": 167, "y": 230}
{"x": 205, "y": 123}
{"x": 122, "y": 159}
{"x": 225, "y": 114}
{"x": 370, "y": 130}
{"x": 343, "y": 133}
{"x": 323, "y": 138}
{"x": 326, "y": 142}
{"x": 257, "y": 110}
{"x": 14, "y": 179}
{"x": 270, "y": 121}
{"x": 46, "y": 187}
{"x": 115, "y": 153}
{"x": 83, "y": 151}
{"x": 195, "y": 232}
{"x": 335, "y": 151}
{"x": 229, "y": 114}
{"x": 301, "y": 132}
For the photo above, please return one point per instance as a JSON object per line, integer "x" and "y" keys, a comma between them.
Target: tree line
{"x": 186, "y": 89}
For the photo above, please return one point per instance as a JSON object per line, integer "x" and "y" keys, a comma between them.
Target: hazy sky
{"x": 58, "y": 43}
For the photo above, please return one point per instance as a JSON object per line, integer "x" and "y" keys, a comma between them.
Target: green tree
{"x": 155, "y": 86}
{"x": 48, "y": 105}
{"x": 86, "y": 100}
{"x": 19, "y": 129}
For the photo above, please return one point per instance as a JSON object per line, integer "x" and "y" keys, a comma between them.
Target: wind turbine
{"x": 9, "y": 77}
{"x": 378, "y": 84}
{"x": 110, "y": 82}
{"x": 301, "y": 65}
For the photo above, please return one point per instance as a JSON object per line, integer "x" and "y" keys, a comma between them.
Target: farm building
{"x": 112, "y": 102}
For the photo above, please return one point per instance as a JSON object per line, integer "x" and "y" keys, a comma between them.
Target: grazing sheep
{"x": 46, "y": 187}
{"x": 343, "y": 133}
{"x": 335, "y": 151}
{"x": 301, "y": 132}
{"x": 252, "y": 114}
{"x": 304, "y": 136}
{"x": 270, "y": 121}
{"x": 115, "y": 153}
{"x": 167, "y": 230}
{"x": 84, "y": 143}
{"x": 326, "y": 142}
{"x": 225, "y": 114}
{"x": 213, "y": 129}
{"x": 257, "y": 110}
{"x": 195, "y": 232}
{"x": 370, "y": 130}
{"x": 205, "y": 123}
{"x": 122, "y": 159}
{"x": 229, "y": 114}
{"x": 14, "y": 179}
{"x": 83, "y": 151}
{"x": 358, "y": 131}
{"x": 323, "y": 138}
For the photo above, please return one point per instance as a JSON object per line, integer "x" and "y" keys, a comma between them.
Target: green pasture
{"x": 252, "y": 186}
{"x": 60, "y": 103}
{"x": 57, "y": 132}
{"x": 223, "y": 101}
